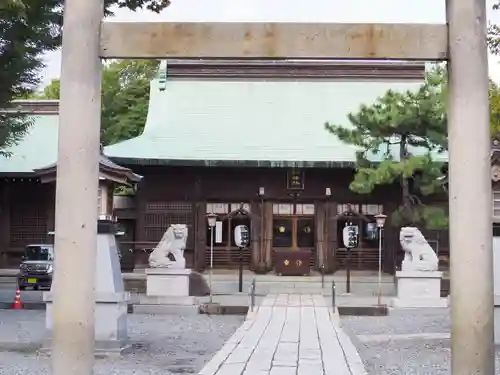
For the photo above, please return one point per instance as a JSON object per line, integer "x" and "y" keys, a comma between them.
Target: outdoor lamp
{"x": 212, "y": 218}
{"x": 262, "y": 191}
{"x": 380, "y": 218}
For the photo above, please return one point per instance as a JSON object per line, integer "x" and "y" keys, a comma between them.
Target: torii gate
{"x": 461, "y": 42}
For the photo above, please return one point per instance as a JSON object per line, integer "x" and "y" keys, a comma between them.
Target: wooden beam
{"x": 427, "y": 42}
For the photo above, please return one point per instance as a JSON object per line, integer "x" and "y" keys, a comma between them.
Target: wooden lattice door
{"x": 160, "y": 215}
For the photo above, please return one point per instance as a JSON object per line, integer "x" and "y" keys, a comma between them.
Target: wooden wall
{"x": 170, "y": 195}
{"x": 26, "y": 216}
{"x": 193, "y": 187}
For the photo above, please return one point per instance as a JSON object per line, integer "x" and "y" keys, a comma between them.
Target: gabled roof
{"x": 39, "y": 146}
{"x": 108, "y": 170}
{"x": 37, "y": 151}
{"x": 234, "y": 113}
{"x": 221, "y": 121}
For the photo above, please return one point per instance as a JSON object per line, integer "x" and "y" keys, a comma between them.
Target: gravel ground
{"x": 165, "y": 344}
{"x": 400, "y": 355}
{"x": 400, "y": 321}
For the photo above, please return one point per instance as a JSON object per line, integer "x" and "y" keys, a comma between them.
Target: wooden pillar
{"x": 50, "y": 209}
{"x": 390, "y": 245}
{"x": 390, "y": 248}
{"x": 331, "y": 236}
{"x": 268, "y": 235}
{"x": 256, "y": 225}
{"x": 321, "y": 244}
{"x": 200, "y": 232}
{"x": 4, "y": 223}
{"x": 140, "y": 234}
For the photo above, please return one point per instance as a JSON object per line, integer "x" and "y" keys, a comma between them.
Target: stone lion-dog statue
{"x": 419, "y": 255}
{"x": 172, "y": 243}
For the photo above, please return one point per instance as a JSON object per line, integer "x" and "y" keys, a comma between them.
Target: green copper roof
{"x": 37, "y": 150}
{"x": 255, "y": 122}
{"x": 226, "y": 122}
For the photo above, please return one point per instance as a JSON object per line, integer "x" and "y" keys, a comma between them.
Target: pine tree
{"x": 398, "y": 137}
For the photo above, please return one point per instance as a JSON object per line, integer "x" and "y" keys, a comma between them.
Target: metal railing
{"x": 251, "y": 294}
{"x": 333, "y": 294}
{"x": 322, "y": 269}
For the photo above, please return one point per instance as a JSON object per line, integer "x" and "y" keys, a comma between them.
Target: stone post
{"x": 76, "y": 190}
{"x": 471, "y": 270}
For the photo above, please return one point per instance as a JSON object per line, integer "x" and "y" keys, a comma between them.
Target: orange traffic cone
{"x": 17, "y": 300}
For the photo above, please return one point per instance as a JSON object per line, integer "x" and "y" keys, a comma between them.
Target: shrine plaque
{"x": 295, "y": 180}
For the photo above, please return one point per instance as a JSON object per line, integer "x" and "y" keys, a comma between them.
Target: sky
{"x": 346, "y": 11}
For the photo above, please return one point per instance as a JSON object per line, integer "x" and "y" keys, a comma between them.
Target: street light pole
{"x": 379, "y": 281}
{"x": 261, "y": 255}
{"x": 212, "y": 219}
{"x": 380, "y": 219}
{"x": 210, "y": 275}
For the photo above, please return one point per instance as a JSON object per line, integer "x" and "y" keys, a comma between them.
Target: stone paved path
{"x": 288, "y": 334}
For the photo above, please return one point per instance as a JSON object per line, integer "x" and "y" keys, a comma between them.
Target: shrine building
{"x": 223, "y": 133}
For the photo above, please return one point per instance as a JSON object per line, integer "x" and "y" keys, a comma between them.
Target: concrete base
{"x": 102, "y": 349}
{"x": 110, "y": 323}
{"x": 166, "y": 305}
{"x": 497, "y": 319}
{"x": 419, "y": 289}
{"x": 167, "y": 282}
{"x": 190, "y": 310}
{"x": 111, "y": 300}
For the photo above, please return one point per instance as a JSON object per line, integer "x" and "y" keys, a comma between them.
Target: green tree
{"x": 392, "y": 129}
{"x": 438, "y": 77}
{"x": 494, "y": 33}
{"x": 27, "y": 30}
{"x": 494, "y": 94}
{"x": 51, "y": 91}
{"x": 125, "y": 98}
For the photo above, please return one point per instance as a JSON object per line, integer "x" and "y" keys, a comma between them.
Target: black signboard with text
{"x": 295, "y": 180}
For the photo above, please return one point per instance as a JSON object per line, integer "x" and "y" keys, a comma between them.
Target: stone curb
{"x": 212, "y": 366}
{"x": 20, "y": 347}
{"x": 26, "y": 306}
{"x": 351, "y": 354}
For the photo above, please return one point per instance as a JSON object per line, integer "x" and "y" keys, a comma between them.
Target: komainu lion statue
{"x": 172, "y": 243}
{"x": 419, "y": 255}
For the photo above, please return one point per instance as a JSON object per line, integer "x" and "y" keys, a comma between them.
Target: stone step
{"x": 166, "y": 309}
{"x": 368, "y": 288}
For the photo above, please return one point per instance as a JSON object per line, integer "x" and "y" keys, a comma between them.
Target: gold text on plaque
{"x": 298, "y": 263}
{"x": 286, "y": 262}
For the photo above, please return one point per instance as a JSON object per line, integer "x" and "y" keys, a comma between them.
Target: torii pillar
{"x": 462, "y": 42}
{"x": 77, "y": 190}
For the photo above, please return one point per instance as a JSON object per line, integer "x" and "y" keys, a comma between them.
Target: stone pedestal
{"x": 419, "y": 289}
{"x": 111, "y": 299}
{"x": 167, "y": 282}
{"x": 496, "y": 285}
{"x": 167, "y": 291}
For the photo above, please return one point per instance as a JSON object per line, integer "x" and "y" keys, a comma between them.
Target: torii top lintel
{"x": 253, "y": 40}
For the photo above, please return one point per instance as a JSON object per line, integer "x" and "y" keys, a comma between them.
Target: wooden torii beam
{"x": 462, "y": 42}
